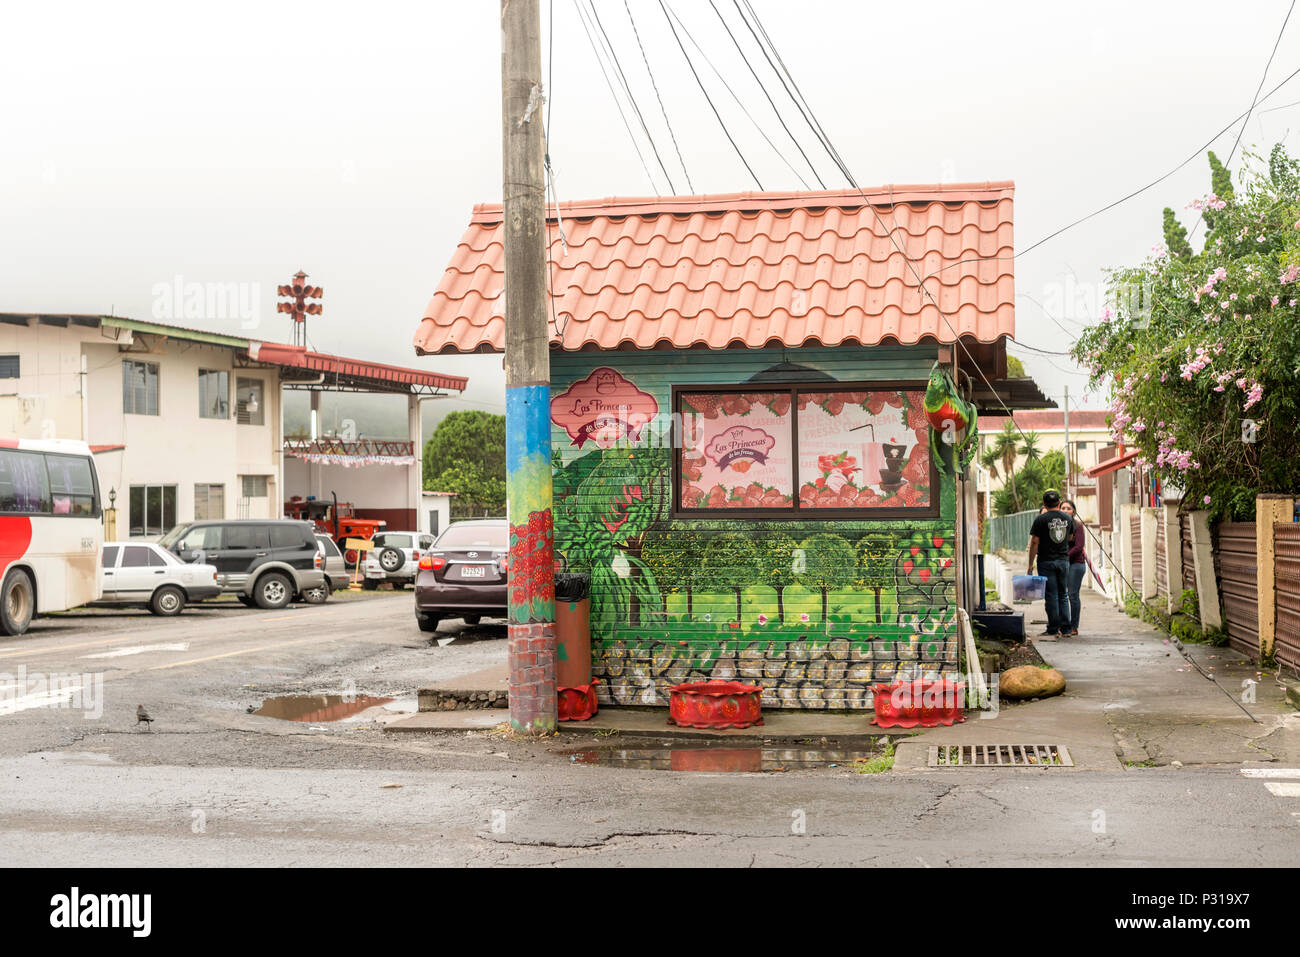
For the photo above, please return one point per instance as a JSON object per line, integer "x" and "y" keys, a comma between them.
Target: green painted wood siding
{"x": 665, "y": 591}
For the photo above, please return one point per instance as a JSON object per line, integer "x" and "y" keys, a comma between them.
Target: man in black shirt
{"x": 1049, "y": 539}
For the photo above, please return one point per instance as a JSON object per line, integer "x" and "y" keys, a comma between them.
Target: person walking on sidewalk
{"x": 1078, "y": 565}
{"x": 1049, "y": 540}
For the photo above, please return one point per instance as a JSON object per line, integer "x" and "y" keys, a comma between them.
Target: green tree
{"x": 828, "y": 562}
{"x": 776, "y": 565}
{"x": 1015, "y": 368}
{"x": 467, "y": 455}
{"x": 1003, "y": 448}
{"x": 876, "y": 567}
{"x": 1220, "y": 185}
{"x": 1176, "y": 236}
{"x": 476, "y": 494}
{"x": 730, "y": 561}
{"x": 674, "y": 557}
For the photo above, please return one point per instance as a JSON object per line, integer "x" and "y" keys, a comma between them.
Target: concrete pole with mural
{"x": 531, "y": 635}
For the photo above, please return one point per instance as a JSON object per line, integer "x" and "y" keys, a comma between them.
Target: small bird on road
{"x": 142, "y": 717}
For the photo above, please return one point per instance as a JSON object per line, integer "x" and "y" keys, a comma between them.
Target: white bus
{"x": 51, "y": 529}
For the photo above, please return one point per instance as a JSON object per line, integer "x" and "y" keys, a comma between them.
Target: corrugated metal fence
{"x": 1011, "y": 531}
{"x": 1185, "y": 537}
{"x": 1235, "y": 563}
{"x": 1286, "y": 645}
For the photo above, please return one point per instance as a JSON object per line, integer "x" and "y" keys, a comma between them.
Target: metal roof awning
{"x": 306, "y": 369}
{"x": 1110, "y": 465}
{"x": 1008, "y": 394}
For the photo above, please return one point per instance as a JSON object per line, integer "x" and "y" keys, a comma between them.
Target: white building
{"x": 188, "y": 424}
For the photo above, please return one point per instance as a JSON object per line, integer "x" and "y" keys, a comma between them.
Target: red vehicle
{"x": 336, "y": 519}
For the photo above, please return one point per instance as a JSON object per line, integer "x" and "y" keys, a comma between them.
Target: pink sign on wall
{"x": 604, "y": 408}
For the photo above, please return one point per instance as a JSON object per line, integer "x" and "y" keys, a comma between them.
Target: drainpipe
{"x": 85, "y": 406}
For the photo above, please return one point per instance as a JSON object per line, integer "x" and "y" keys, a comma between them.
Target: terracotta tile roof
{"x": 1045, "y": 419}
{"x": 748, "y": 269}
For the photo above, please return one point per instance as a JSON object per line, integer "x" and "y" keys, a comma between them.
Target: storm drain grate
{"x": 999, "y": 756}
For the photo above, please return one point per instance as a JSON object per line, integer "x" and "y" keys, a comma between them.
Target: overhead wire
{"x": 663, "y": 109}
{"x": 754, "y": 73}
{"x": 1200, "y": 216}
{"x": 740, "y": 103}
{"x": 654, "y": 188}
{"x": 627, "y": 89}
{"x": 708, "y": 99}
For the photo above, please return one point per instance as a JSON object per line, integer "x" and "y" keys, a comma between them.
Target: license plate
{"x": 473, "y": 571}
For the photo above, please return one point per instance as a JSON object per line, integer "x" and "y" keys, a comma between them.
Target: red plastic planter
{"x": 906, "y": 704}
{"x": 715, "y": 704}
{"x": 577, "y": 704}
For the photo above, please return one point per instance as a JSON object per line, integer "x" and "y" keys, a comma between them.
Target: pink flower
{"x": 1206, "y": 500}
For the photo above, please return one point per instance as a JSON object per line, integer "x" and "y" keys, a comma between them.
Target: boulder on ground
{"x": 1030, "y": 681}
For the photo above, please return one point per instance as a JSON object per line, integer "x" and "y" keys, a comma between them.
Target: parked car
{"x": 464, "y": 574}
{"x": 336, "y": 572}
{"x": 264, "y": 562}
{"x": 141, "y": 573}
{"x": 394, "y": 559}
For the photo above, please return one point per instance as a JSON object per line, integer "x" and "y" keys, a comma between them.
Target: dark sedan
{"x": 464, "y": 574}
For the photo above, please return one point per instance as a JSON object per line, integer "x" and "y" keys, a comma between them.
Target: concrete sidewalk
{"x": 1132, "y": 700}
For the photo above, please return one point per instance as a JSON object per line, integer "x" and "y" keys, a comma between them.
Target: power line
{"x": 739, "y": 102}
{"x": 627, "y": 89}
{"x": 761, "y": 86}
{"x": 709, "y": 99}
{"x": 812, "y": 125}
{"x": 1200, "y": 215}
{"x": 662, "y": 109}
{"x": 617, "y": 102}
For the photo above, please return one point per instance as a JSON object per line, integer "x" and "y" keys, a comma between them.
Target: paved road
{"x": 214, "y": 785}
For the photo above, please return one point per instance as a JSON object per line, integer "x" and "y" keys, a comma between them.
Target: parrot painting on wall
{"x": 949, "y": 414}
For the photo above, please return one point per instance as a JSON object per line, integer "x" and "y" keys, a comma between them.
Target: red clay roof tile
{"x": 749, "y": 269}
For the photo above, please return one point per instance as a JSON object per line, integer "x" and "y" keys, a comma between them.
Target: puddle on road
{"x": 717, "y": 760}
{"x": 317, "y": 707}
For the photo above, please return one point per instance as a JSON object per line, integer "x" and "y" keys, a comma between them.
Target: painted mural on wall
{"x": 815, "y": 611}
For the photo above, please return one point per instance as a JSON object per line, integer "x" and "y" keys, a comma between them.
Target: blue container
{"x": 1028, "y": 587}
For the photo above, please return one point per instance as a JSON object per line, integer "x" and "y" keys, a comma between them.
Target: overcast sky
{"x": 144, "y": 142}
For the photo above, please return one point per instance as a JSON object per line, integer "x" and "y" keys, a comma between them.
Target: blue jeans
{"x": 1077, "y": 572}
{"x": 1057, "y": 596}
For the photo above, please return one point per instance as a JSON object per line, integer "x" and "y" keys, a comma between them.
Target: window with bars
{"x": 139, "y": 387}
{"x": 209, "y": 502}
{"x": 254, "y": 486}
{"x": 214, "y": 394}
{"x": 250, "y": 407}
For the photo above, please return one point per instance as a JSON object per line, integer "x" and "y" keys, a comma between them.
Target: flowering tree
{"x": 1202, "y": 351}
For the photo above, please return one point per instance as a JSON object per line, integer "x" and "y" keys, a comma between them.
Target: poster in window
{"x": 736, "y": 450}
{"x": 863, "y": 449}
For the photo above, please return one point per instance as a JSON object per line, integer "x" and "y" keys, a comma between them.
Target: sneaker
{"x": 1046, "y": 635}
{"x": 1074, "y": 634}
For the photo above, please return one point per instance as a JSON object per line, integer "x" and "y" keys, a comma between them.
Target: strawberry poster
{"x": 863, "y": 450}
{"x": 736, "y": 450}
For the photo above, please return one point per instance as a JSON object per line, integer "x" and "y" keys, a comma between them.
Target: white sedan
{"x": 141, "y": 573}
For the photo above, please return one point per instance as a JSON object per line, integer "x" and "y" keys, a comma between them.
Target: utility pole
{"x": 1067, "y": 441}
{"x": 531, "y": 632}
